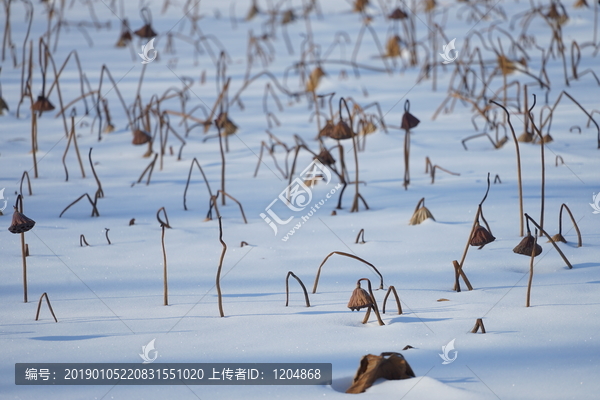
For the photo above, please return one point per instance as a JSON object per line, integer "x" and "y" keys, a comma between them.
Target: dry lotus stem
{"x": 214, "y": 200}
{"x": 82, "y": 241}
{"x": 462, "y": 274}
{"x": 358, "y": 237}
{"x": 346, "y": 255}
{"x": 25, "y": 175}
{"x": 21, "y": 224}
{"x": 421, "y": 213}
{"x": 106, "y": 234}
{"x": 95, "y": 212}
{"x": 392, "y": 289}
{"x": 478, "y": 325}
{"x": 165, "y": 282}
{"x": 37, "y": 314}
{"x": 218, "y": 279}
{"x": 287, "y": 289}
{"x": 132, "y": 221}
{"x": 164, "y": 222}
{"x": 360, "y": 298}
{"x": 518, "y": 153}
{"x": 532, "y": 256}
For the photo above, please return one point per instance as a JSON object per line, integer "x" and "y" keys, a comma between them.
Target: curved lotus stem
{"x": 374, "y": 306}
{"x": 347, "y": 255}
{"x": 392, "y": 289}
{"x": 287, "y": 289}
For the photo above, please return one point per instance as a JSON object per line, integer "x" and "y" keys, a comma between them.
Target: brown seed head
{"x": 146, "y": 32}
{"x": 20, "y": 223}
{"x": 481, "y": 237}
{"x": 360, "y": 299}
{"x": 525, "y": 247}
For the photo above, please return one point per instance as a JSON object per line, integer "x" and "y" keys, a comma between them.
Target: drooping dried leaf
{"x": 420, "y": 215}
{"x": 3, "y": 106}
{"x": 430, "y": 5}
{"x": 140, "y": 137}
{"x": 390, "y": 366}
{"x": 580, "y": 4}
{"x": 506, "y": 66}
{"x": 227, "y": 126}
{"x": 252, "y": 11}
{"x": 367, "y": 128}
{"x": 392, "y": 47}
{"x": 341, "y": 131}
{"x": 314, "y": 79}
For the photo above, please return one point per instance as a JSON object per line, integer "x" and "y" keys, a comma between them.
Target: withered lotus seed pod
{"x": 557, "y": 238}
{"x": 341, "y": 131}
{"x": 146, "y": 32}
{"x": 398, "y": 14}
{"x": 20, "y": 223}
{"x": 525, "y": 137}
{"x": 288, "y": 17}
{"x": 3, "y": 106}
{"x": 360, "y": 5}
{"x": 409, "y": 121}
{"x": 525, "y": 247}
{"x": 481, "y": 237}
{"x": 140, "y": 137}
{"x": 325, "y": 158}
{"x": 360, "y": 299}
{"x": 42, "y": 104}
{"x": 327, "y": 130}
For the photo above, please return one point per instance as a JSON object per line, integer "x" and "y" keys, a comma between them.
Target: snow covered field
{"x": 108, "y": 298}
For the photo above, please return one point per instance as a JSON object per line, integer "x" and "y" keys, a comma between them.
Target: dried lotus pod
{"x": 557, "y": 238}
{"x": 20, "y": 223}
{"x": 342, "y": 131}
{"x": 42, "y": 104}
{"x": 325, "y": 158}
{"x": 146, "y": 32}
{"x": 421, "y": 213}
{"x": 525, "y": 137}
{"x": 252, "y": 11}
{"x": 360, "y": 5}
{"x": 409, "y": 121}
{"x": 392, "y": 47}
{"x": 3, "y": 106}
{"x": 288, "y": 16}
{"x": 398, "y": 14}
{"x": 481, "y": 237}
{"x": 525, "y": 247}
{"x": 360, "y": 299}
{"x": 125, "y": 36}
{"x": 314, "y": 79}
{"x": 140, "y": 137}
